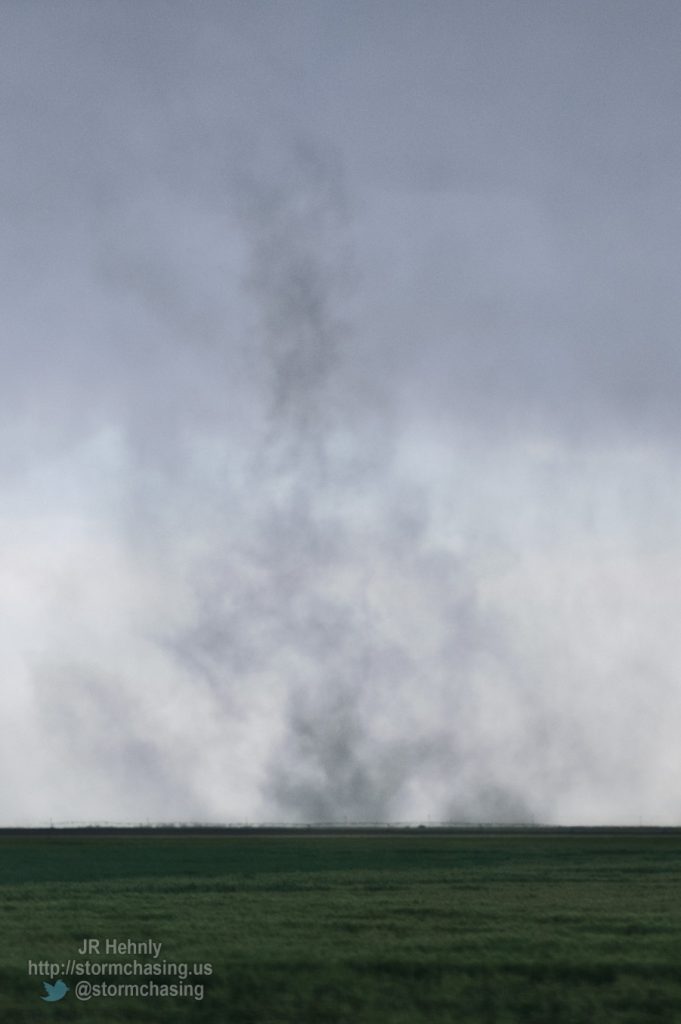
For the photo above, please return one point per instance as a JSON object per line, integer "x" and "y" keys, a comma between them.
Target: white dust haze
{"x": 339, "y": 409}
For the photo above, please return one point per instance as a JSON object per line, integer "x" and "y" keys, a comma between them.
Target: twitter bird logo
{"x": 54, "y": 992}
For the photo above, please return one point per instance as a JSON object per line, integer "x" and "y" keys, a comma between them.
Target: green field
{"x": 306, "y": 928}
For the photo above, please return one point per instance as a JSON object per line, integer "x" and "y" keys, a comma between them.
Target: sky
{"x": 340, "y": 472}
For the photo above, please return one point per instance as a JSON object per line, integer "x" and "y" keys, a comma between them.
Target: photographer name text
{"x": 131, "y": 947}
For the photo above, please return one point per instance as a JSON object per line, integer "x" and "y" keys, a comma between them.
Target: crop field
{"x": 344, "y": 927}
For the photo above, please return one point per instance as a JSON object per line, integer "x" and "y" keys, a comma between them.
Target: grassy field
{"x": 308, "y": 928}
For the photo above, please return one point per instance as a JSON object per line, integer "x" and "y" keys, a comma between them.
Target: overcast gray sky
{"x": 340, "y": 473}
